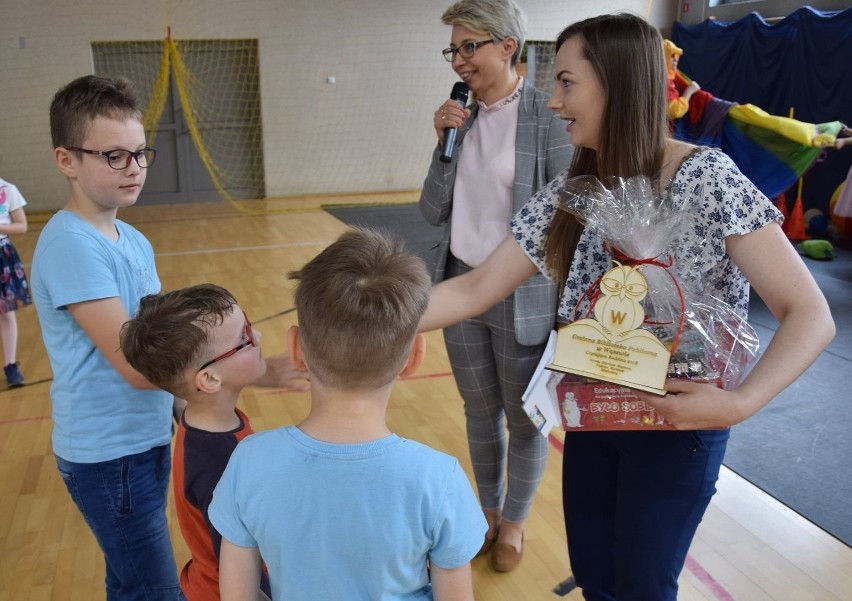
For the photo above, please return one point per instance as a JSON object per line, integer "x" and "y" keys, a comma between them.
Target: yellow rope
{"x": 157, "y": 102}
{"x": 185, "y": 82}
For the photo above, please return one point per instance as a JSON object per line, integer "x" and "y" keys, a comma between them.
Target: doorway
{"x": 221, "y": 85}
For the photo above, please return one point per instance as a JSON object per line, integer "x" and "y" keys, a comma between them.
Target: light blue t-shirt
{"x": 97, "y": 415}
{"x": 340, "y": 521}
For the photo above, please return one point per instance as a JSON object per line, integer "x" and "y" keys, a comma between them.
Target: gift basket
{"x": 648, "y": 318}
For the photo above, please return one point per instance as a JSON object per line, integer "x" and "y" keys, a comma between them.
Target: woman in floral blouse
{"x": 633, "y": 499}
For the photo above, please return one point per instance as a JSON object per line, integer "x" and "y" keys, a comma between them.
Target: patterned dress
{"x": 14, "y": 288}
{"x": 730, "y": 205}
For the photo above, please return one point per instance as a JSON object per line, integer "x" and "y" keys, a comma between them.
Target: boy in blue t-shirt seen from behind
{"x": 338, "y": 506}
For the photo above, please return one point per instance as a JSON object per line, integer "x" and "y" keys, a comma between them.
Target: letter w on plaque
{"x": 612, "y": 346}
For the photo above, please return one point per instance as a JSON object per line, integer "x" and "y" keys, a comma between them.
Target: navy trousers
{"x": 633, "y": 501}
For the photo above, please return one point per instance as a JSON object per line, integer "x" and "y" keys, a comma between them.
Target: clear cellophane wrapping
{"x": 639, "y": 220}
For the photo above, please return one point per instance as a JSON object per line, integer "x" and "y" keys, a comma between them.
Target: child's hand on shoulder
{"x": 281, "y": 373}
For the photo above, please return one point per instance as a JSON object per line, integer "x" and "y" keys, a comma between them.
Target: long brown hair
{"x": 626, "y": 54}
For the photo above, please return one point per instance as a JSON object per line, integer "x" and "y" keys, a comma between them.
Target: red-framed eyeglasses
{"x": 248, "y": 342}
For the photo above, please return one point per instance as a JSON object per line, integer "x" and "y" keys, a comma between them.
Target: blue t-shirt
{"x": 97, "y": 415}
{"x": 341, "y": 521}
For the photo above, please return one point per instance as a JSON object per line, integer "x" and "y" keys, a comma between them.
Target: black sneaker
{"x": 14, "y": 378}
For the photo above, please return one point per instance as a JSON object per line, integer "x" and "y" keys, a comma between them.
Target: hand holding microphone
{"x": 450, "y": 117}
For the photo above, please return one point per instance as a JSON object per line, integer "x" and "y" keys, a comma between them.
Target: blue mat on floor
{"x": 798, "y": 448}
{"x": 402, "y": 221}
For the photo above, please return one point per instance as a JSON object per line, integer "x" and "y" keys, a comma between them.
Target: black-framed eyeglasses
{"x": 466, "y": 50}
{"x": 120, "y": 158}
{"x": 249, "y": 342}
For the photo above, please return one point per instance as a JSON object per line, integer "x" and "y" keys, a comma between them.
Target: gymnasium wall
{"x": 369, "y": 131}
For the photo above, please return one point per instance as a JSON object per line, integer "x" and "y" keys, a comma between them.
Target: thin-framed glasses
{"x": 247, "y": 331}
{"x": 120, "y": 158}
{"x": 466, "y": 50}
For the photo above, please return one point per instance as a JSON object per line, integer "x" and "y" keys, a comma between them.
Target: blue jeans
{"x": 632, "y": 503}
{"x": 124, "y": 503}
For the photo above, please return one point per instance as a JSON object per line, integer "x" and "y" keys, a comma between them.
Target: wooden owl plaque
{"x": 612, "y": 346}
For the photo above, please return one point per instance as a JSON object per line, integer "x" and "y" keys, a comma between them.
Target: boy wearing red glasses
{"x": 199, "y": 345}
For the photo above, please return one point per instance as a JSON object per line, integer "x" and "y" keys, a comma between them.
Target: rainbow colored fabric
{"x": 773, "y": 152}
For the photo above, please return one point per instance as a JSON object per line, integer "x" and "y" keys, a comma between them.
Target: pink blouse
{"x": 485, "y": 177}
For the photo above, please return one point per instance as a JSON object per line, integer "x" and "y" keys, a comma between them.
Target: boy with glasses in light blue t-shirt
{"x": 112, "y": 427}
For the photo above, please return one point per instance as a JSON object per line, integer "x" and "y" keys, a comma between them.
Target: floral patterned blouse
{"x": 730, "y": 205}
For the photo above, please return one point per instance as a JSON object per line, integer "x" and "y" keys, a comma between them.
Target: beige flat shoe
{"x": 505, "y": 558}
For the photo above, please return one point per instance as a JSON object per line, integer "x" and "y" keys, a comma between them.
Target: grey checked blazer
{"x": 542, "y": 151}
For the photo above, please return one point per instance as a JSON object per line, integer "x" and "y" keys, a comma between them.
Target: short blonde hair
{"x": 359, "y": 303}
{"x": 670, "y": 49}
{"x": 499, "y": 19}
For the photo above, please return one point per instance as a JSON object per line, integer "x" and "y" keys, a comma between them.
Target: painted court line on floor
{"x": 692, "y": 565}
{"x": 179, "y": 253}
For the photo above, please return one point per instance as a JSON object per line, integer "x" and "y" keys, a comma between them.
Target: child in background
{"x": 338, "y": 506}
{"x": 14, "y": 289}
{"x": 198, "y": 344}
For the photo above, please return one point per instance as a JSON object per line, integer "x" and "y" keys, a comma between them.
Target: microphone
{"x": 459, "y": 94}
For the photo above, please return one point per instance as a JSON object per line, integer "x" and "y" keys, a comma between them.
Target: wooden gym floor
{"x": 749, "y": 547}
